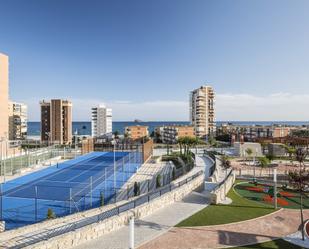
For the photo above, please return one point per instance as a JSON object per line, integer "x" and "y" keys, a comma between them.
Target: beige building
{"x": 136, "y": 132}
{"x": 202, "y": 112}
{"x": 56, "y": 121}
{"x": 281, "y": 131}
{"x": 4, "y": 96}
{"x": 17, "y": 121}
{"x": 171, "y": 133}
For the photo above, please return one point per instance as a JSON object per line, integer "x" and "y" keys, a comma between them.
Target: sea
{"x": 84, "y": 128}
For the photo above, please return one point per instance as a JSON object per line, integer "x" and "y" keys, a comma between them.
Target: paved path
{"x": 157, "y": 223}
{"x": 151, "y": 226}
{"x": 276, "y": 225}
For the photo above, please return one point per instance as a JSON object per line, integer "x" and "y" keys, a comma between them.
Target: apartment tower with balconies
{"x": 56, "y": 121}
{"x": 101, "y": 120}
{"x": 17, "y": 121}
{"x": 4, "y": 96}
{"x": 202, "y": 111}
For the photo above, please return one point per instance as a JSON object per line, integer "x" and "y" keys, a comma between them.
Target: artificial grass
{"x": 239, "y": 210}
{"x": 259, "y": 193}
{"x": 273, "y": 244}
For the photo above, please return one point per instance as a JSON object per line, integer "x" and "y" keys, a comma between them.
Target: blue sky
{"x": 143, "y": 57}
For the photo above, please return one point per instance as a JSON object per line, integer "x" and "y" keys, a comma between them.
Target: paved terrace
{"x": 269, "y": 227}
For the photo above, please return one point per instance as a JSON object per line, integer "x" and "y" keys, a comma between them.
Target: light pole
{"x": 275, "y": 187}
{"x": 114, "y": 144}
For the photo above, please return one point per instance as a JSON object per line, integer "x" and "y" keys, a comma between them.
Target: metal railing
{"x": 33, "y": 238}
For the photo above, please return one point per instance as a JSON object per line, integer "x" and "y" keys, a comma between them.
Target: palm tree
{"x": 226, "y": 164}
{"x": 264, "y": 162}
{"x": 249, "y": 152}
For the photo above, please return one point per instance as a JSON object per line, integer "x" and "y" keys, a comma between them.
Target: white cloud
{"x": 275, "y": 106}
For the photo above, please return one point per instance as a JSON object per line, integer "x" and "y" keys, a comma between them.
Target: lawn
{"x": 239, "y": 210}
{"x": 274, "y": 244}
{"x": 263, "y": 193}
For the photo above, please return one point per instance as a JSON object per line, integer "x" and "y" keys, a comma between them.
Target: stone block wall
{"x": 219, "y": 194}
{"x": 96, "y": 230}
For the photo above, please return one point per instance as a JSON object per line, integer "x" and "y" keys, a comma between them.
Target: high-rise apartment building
{"x": 101, "y": 120}
{"x": 202, "y": 112}
{"x": 17, "y": 121}
{"x": 4, "y": 96}
{"x": 56, "y": 121}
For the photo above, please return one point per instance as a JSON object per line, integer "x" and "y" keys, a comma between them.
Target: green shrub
{"x": 136, "y": 188}
{"x": 50, "y": 214}
{"x": 158, "y": 181}
{"x": 101, "y": 199}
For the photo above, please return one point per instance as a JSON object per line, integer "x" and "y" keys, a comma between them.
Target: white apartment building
{"x": 18, "y": 119}
{"x": 101, "y": 120}
{"x": 202, "y": 112}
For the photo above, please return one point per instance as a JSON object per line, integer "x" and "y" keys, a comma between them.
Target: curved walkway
{"x": 275, "y": 225}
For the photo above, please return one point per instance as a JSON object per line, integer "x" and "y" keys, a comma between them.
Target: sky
{"x": 142, "y": 57}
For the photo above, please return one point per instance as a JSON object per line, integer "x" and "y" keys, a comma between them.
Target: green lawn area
{"x": 274, "y": 244}
{"x": 239, "y": 210}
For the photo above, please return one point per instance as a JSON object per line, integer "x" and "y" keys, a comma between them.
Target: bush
{"x": 101, "y": 199}
{"x": 50, "y": 214}
{"x": 174, "y": 159}
{"x": 136, "y": 189}
{"x": 158, "y": 181}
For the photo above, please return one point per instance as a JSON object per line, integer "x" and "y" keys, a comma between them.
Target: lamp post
{"x": 114, "y": 144}
{"x": 275, "y": 188}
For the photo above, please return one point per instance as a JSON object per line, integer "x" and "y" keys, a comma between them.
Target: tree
{"x": 186, "y": 143}
{"x": 264, "y": 145}
{"x": 116, "y": 134}
{"x": 299, "y": 179}
{"x": 301, "y": 155}
{"x": 270, "y": 157}
{"x": 264, "y": 162}
{"x": 226, "y": 164}
{"x": 249, "y": 152}
{"x": 290, "y": 151}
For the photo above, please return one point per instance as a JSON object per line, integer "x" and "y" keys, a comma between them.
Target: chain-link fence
{"x": 14, "y": 164}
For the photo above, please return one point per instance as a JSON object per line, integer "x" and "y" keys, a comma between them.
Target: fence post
{"x": 70, "y": 201}
{"x": 36, "y": 202}
{"x": 90, "y": 191}
{"x": 1, "y": 196}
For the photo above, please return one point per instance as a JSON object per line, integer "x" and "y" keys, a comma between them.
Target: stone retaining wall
{"x": 96, "y": 230}
{"x": 218, "y": 195}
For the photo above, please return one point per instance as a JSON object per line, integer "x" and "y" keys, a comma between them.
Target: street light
{"x": 275, "y": 187}
{"x": 114, "y": 144}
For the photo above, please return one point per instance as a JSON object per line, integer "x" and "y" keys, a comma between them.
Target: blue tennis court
{"x": 72, "y": 186}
